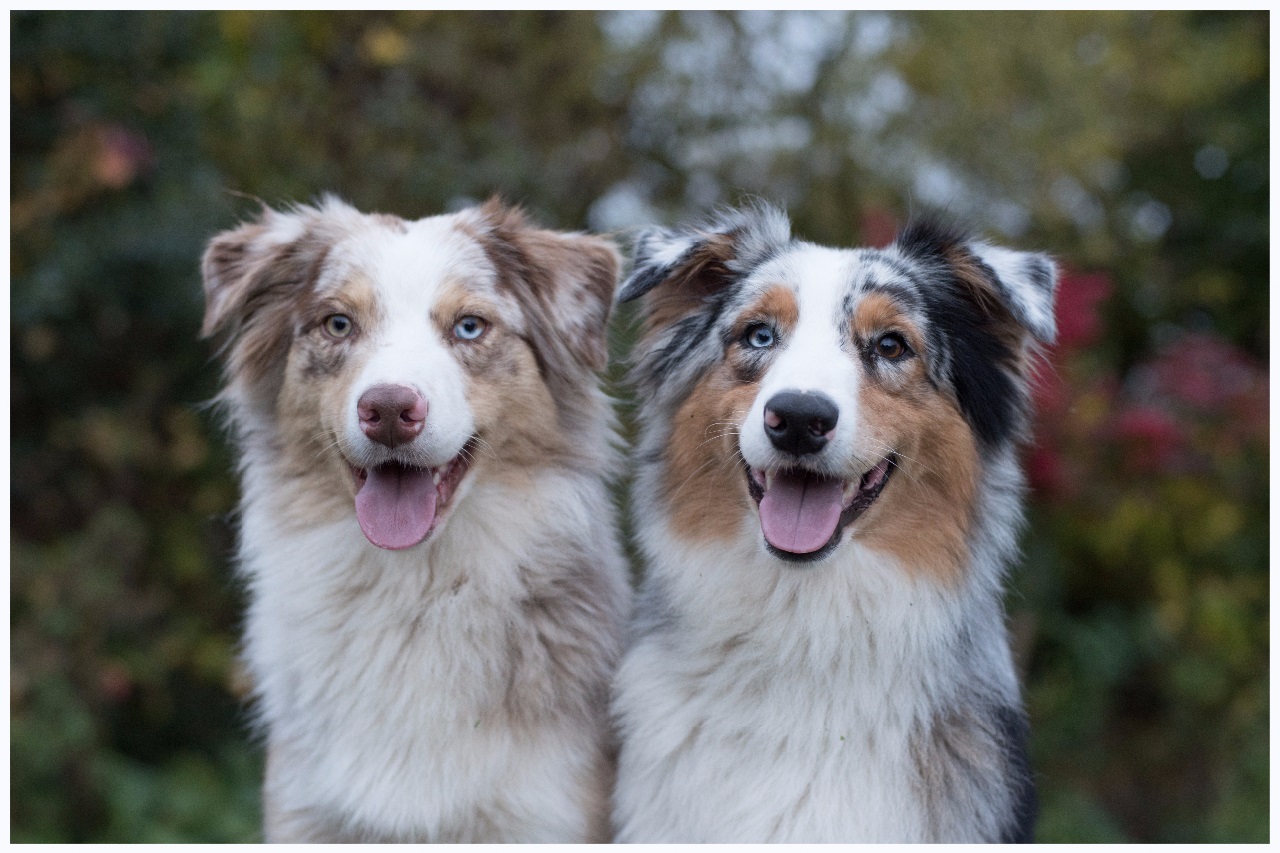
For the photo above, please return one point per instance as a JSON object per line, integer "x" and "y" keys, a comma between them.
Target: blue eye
{"x": 759, "y": 336}
{"x": 469, "y": 328}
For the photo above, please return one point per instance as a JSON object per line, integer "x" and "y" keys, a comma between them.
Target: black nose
{"x": 799, "y": 423}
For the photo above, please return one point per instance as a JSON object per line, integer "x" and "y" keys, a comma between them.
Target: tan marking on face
{"x": 455, "y": 301}
{"x": 924, "y": 514}
{"x": 704, "y": 481}
{"x": 514, "y": 409}
{"x": 311, "y": 407}
{"x": 704, "y": 478}
{"x": 777, "y": 307}
{"x": 778, "y": 304}
{"x": 515, "y": 413}
{"x": 878, "y": 313}
{"x": 356, "y": 298}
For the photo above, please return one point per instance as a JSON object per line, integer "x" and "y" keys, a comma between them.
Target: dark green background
{"x": 1133, "y": 146}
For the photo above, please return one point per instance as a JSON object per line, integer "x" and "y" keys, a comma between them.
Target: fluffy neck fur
{"x": 408, "y": 695}
{"x": 815, "y": 697}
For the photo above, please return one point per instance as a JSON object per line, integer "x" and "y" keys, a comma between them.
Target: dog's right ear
{"x": 680, "y": 267}
{"x": 252, "y": 275}
{"x": 233, "y": 262}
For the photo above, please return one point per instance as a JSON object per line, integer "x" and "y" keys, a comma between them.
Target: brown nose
{"x": 391, "y": 414}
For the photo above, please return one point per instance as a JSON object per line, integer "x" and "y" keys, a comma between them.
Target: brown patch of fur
{"x": 321, "y": 355}
{"x": 878, "y": 313}
{"x": 702, "y": 274}
{"x": 704, "y": 481}
{"x": 516, "y": 415}
{"x": 319, "y": 479}
{"x": 454, "y": 302}
{"x": 252, "y": 288}
{"x": 514, "y": 408}
{"x": 563, "y": 284}
{"x": 924, "y": 514}
{"x": 309, "y": 401}
{"x": 704, "y": 478}
{"x": 777, "y": 305}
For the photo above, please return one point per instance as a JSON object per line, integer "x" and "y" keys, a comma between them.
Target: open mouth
{"x": 802, "y": 513}
{"x": 399, "y": 505}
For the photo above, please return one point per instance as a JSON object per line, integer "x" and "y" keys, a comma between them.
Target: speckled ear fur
{"x": 565, "y": 283}
{"x": 678, "y": 268}
{"x": 1023, "y": 283}
{"x": 253, "y": 272}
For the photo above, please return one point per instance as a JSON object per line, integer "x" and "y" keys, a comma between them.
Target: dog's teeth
{"x": 850, "y": 488}
{"x": 435, "y": 476}
{"x": 768, "y": 480}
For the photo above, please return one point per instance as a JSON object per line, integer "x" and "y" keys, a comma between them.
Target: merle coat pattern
{"x": 820, "y": 651}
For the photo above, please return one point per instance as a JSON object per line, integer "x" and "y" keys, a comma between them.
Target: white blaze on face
{"x": 804, "y": 499}
{"x": 400, "y": 492}
{"x": 408, "y": 272}
{"x": 813, "y": 356}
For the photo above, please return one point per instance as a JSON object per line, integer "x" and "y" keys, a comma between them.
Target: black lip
{"x": 851, "y": 513}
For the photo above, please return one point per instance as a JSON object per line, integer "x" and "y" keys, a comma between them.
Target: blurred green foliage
{"x": 1133, "y": 145}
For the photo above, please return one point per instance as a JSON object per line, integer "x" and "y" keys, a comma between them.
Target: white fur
{"x": 812, "y": 359}
{"x": 801, "y": 732}
{"x": 383, "y": 701}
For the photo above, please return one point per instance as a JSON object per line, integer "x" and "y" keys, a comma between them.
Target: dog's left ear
{"x": 680, "y": 271}
{"x": 1020, "y": 283}
{"x": 564, "y": 283}
{"x": 700, "y": 258}
{"x": 1027, "y": 281}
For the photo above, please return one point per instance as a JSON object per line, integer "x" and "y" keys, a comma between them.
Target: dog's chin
{"x": 400, "y": 505}
{"x": 803, "y": 514}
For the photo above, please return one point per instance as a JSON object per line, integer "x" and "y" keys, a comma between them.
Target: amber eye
{"x": 891, "y": 346}
{"x": 338, "y": 326}
{"x": 469, "y": 328}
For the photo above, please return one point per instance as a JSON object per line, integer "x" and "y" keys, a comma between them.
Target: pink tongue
{"x": 396, "y": 506}
{"x": 799, "y": 512}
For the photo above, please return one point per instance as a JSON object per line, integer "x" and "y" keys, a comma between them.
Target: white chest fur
{"x": 384, "y": 680}
{"x": 780, "y": 704}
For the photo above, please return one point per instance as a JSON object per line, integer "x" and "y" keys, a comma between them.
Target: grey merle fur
{"x": 974, "y": 353}
{"x": 972, "y": 754}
